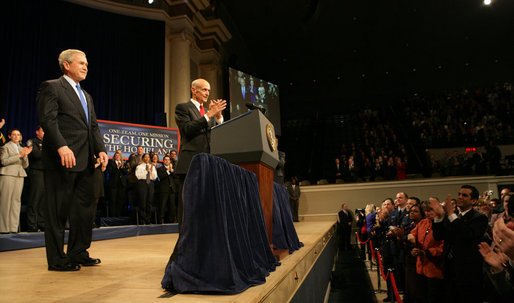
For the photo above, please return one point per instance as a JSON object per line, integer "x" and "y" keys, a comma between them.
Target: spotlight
{"x": 150, "y": 1}
{"x": 487, "y": 2}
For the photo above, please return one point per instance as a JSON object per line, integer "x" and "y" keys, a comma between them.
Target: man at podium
{"x": 194, "y": 123}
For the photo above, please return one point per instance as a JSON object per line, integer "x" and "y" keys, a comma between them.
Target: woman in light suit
{"x": 14, "y": 161}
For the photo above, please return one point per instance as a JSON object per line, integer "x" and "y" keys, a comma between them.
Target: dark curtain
{"x": 223, "y": 245}
{"x": 125, "y": 55}
{"x": 284, "y": 233}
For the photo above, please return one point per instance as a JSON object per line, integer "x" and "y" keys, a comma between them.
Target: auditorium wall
{"x": 324, "y": 201}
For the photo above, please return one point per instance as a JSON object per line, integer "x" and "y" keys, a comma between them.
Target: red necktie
{"x": 202, "y": 111}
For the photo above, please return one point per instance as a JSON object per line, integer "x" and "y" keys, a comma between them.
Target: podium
{"x": 249, "y": 141}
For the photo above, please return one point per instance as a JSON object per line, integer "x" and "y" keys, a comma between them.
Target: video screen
{"x": 247, "y": 91}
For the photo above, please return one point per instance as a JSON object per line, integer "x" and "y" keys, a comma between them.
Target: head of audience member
{"x": 506, "y": 200}
{"x": 388, "y": 203}
{"x": 166, "y": 161}
{"x": 467, "y": 197}
{"x": 485, "y": 208}
{"x": 173, "y": 154}
{"x": 145, "y": 158}
{"x": 494, "y": 203}
{"x": 117, "y": 157}
{"x": 384, "y": 213}
{"x": 429, "y": 211}
{"x": 14, "y": 135}
{"x": 155, "y": 159}
{"x": 73, "y": 63}
{"x": 453, "y": 203}
{"x": 504, "y": 191}
{"x": 200, "y": 90}
{"x": 369, "y": 209}
{"x": 412, "y": 201}
{"x": 133, "y": 160}
{"x": 416, "y": 213}
{"x": 40, "y": 133}
{"x": 140, "y": 151}
{"x": 401, "y": 199}
{"x": 344, "y": 206}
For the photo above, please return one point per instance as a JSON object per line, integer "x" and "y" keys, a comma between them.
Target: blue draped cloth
{"x": 223, "y": 245}
{"x": 284, "y": 233}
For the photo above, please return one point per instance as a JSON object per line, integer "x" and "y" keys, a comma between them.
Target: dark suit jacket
{"x": 116, "y": 175}
{"x": 63, "y": 119}
{"x": 166, "y": 181}
{"x": 462, "y": 237}
{"x": 195, "y": 134}
{"x": 35, "y": 156}
{"x": 344, "y": 219}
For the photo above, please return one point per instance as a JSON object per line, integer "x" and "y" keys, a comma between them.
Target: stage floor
{"x": 132, "y": 269}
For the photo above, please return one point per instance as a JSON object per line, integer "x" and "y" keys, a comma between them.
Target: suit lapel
{"x": 72, "y": 95}
{"x": 195, "y": 111}
{"x": 12, "y": 148}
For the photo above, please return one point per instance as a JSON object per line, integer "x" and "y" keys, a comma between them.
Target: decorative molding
{"x": 410, "y": 183}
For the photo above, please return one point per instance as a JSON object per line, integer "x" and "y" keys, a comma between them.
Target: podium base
{"x": 264, "y": 175}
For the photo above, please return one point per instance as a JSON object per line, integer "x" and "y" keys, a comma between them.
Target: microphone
{"x": 252, "y": 106}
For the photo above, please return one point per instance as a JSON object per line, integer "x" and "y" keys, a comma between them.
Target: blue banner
{"x": 127, "y": 137}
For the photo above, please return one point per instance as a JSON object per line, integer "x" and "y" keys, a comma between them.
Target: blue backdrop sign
{"x": 127, "y": 137}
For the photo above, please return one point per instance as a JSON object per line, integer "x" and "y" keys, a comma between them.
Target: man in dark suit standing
{"x": 117, "y": 184}
{"x": 195, "y": 123}
{"x": 294, "y": 192}
{"x": 165, "y": 174}
{"x": 72, "y": 138}
{"x": 345, "y": 222}
{"x": 278, "y": 173}
{"x": 461, "y": 234}
{"x": 36, "y": 206}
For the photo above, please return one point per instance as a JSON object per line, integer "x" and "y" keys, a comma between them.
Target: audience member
{"x": 294, "y": 192}
{"x": 278, "y": 173}
{"x": 2, "y": 138}
{"x": 14, "y": 159}
{"x": 429, "y": 259}
{"x": 146, "y": 174}
{"x": 412, "y": 281}
{"x": 117, "y": 184}
{"x": 36, "y": 202}
{"x": 99, "y": 180}
{"x": 167, "y": 192}
{"x": 461, "y": 234}
{"x": 360, "y": 222}
{"x": 345, "y": 224}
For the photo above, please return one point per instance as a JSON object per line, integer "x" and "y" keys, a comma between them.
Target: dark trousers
{"x": 117, "y": 199}
{"x": 145, "y": 197}
{"x": 346, "y": 233}
{"x": 294, "y": 209}
{"x": 431, "y": 290}
{"x": 69, "y": 195}
{"x": 463, "y": 284}
{"x": 168, "y": 207}
{"x": 36, "y": 208}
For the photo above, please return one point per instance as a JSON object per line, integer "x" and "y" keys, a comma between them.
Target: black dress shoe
{"x": 65, "y": 267}
{"x": 90, "y": 262}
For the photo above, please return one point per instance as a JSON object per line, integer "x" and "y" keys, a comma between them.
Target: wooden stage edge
{"x": 132, "y": 269}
